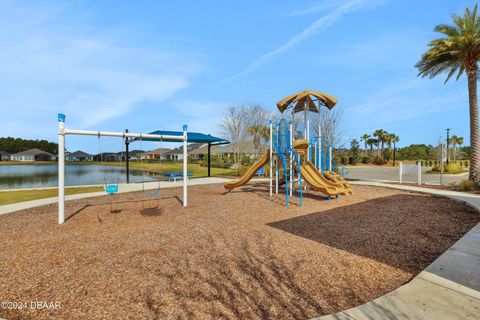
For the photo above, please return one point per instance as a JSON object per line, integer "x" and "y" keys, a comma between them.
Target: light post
{"x": 448, "y": 141}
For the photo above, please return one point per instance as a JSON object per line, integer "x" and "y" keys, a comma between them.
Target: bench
{"x": 176, "y": 175}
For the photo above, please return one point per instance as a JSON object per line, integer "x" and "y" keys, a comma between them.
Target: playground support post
{"x": 400, "y": 172}
{"x": 185, "y": 165}
{"x": 307, "y": 130}
{"x": 291, "y": 158}
{"x": 271, "y": 158}
{"x": 319, "y": 164}
{"x": 419, "y": 173}
{"x": 330, "y": 158}
{"x": 61, "y": 169}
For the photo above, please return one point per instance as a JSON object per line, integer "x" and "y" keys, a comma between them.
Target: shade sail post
{"x": 208, "y": 157}
{"x": 185, "y": 166}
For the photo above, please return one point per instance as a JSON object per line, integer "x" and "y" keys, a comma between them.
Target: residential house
{"x": 177, "y": 153}
{"x": 108, "y": 157}
{"x": 225, "y": 151}
{"x": 157, "y": 154}
{"x": 78, "y": 156}
{"x": 32, "y": 155}
{"x": 136, "y": 154}
{"x": 4, "y": 156}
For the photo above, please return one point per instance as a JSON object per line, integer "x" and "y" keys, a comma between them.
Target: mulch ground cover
{"x": 237, "y": 255}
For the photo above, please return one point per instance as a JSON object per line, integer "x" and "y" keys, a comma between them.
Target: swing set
{"x": 112, "y": 188}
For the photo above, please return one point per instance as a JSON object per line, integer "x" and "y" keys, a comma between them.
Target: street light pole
{"x": 448, "y": 141}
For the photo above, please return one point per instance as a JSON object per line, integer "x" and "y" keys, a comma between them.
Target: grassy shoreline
{"x": 9, "y": 197}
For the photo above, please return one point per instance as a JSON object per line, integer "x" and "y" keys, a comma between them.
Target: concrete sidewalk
{"x": 448, "y": 289}
{"x": 122, "y": 188}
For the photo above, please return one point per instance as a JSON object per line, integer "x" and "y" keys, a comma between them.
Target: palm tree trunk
{"x": 474, "y": 173}
{"x": 366, "y": 150}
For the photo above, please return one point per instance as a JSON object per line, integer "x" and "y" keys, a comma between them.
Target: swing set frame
{"x": 62, "y": 132}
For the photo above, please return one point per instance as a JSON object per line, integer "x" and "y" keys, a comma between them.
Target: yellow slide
{"x": 318, "y": 182}
{"x": 335, "y": 177}
{"x": 250, "y": 173}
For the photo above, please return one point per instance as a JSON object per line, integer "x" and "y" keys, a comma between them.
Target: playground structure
{"x": 290, "y": 161}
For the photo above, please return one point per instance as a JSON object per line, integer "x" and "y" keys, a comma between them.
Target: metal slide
{"x": 250, "y": 173}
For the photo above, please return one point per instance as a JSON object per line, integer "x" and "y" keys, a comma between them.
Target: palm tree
{"x": 365, "y": 138}
{"x": 458, "y": 51}
{"x": 388, "y": 138}
{"x": 379, "y": 133}
{"x": 455, "y": 141}
{"x": 395, "y": 139}
{"x": 372, "y": 142}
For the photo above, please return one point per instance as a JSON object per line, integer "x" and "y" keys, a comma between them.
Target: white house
{"x": 33, "y": 155}
{"x": 78, "y": 156}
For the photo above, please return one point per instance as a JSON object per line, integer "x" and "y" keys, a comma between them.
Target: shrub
{"x": 379, "y": 161}
{"x": 450, "y": 168}
{"x": 465, "y": 163}
{"x": 453, "y": 168}
{"x": 365, "y": 160}
{"x": 344, "y": 160}
{"x": 242, "y": 170}
{"x": 351, "y": 160}
{"x": 247, "y": 161}
{"x": 467, "y": 185}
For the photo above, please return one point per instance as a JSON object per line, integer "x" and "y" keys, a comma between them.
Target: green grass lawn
{"x": 27, "y": 163}
{"x": 7, "y": 197}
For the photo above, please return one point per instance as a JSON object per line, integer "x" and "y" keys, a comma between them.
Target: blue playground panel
{"x": 174, "y": 175}
{"x": 261, "y": 171}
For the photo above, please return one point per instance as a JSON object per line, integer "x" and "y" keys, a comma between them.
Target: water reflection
{"x": 38, "y": 176}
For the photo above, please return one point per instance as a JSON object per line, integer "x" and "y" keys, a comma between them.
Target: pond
{"x": 40, "y": 176}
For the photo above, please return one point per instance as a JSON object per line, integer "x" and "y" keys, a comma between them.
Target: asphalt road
{"x": 392, "y": 174}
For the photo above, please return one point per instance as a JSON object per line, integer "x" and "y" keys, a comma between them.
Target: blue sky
{"x": 147, "y": 65}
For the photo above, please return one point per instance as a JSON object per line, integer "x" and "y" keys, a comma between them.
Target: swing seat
{"x": 154, "y": 193}
{"x": 111, "y": 189}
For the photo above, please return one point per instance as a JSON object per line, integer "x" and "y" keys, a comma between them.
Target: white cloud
{"x": 323, "y": 6}
{"x": 329, "y": 4}
{"x": 399, "y": 48}
{"x": 49, "y": 66}
{"x": 202, "y": 116}
{"x": 400, "y": 103}
{"x": 317, "y": 26}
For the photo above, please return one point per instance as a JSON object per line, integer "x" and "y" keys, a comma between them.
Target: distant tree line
{"x": 378, "y": 148}
{"x": 411, "y": 152}
{"x": 14, "y": 145}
